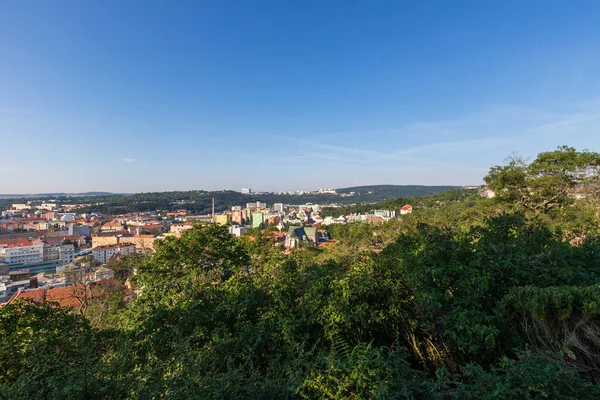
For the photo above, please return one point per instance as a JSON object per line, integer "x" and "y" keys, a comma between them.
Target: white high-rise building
{"x": 246, "y": 191}
{"x": 21, "y": 254}
{"x": 103, "y": 253}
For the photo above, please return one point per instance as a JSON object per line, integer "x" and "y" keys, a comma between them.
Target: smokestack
{"x": 213, "y": 210}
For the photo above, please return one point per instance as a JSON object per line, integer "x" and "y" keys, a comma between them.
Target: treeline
{"x": 200, "y": 201}
{"x": 470, "y": 196}
{"x": 466, "y": 298}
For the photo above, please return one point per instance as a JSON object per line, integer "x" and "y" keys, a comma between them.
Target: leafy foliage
{"x": 47, "y": 353}
{"x": 466, "y": 298}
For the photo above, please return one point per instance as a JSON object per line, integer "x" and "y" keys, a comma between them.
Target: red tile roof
{"x": 113, "y": 224}
{"x": 156, "y": 226}
{"x": 65, "y": 297}
{"x": 279, "y": 234}
{"x": 69, "y": 296}
{"x": 37, "y": 295}
{"x": 17, "y": 241}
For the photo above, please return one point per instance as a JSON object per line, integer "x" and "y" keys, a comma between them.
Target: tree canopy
{"x": 466, "y": 298}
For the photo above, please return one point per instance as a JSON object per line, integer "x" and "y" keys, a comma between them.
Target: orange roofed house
{"x": 112, "y": 226}
{"x": 407, "y": 209}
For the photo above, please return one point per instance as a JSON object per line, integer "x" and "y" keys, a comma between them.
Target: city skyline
{"x": 273, "y": 96}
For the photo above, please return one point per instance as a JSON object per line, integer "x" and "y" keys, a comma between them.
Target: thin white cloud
{"x": 451, "y": 150}
{"x": 569, "y": 120}
{"x": 352, "y": 154}
{"x": 129, "y": 160}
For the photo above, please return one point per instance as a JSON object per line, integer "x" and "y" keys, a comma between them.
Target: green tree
{"x": 549, "y": 182}
{"x": 179, "y": 267}
{"x": 47, "y": 352}
{"x": 124, "y": 266}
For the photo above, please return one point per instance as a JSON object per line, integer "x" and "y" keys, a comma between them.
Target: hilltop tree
{"x": 551, "y": 181}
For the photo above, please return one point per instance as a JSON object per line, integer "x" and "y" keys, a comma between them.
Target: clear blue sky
{"x": 166, "y": 95}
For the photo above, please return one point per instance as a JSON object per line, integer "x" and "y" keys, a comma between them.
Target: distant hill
{"x": 42, "y": 195}
{"x": 375, "y": 193}
{"x": 199, "y": 201}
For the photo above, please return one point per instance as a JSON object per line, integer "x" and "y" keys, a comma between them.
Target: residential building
{"x": 327, "y": 191}
{"x": 177, "y": 229}
{"x": 258, "y": 218}
{"x": 222, "y": 219}
{"x": 385, "y": 213}
{"x": 310, "y": 207}
{"x": 48, "y": 206}
{"x": 238, "y": 217}
{"x": 278, "y": 207}
{"x": 237, "y": 230}
{"x": 64, "y": 253}
{"x": 328, "y": 220}
{"x": 103, "y": 253}
{"x": 298, "y": 234}
{"x": 147, "y": 229}
{"x": 31, "y": 252}
{"x": 247, "y": 191}
{"x": 143, "y": 243}
{"x": 406, "y": 209}
{"x": 112, "y": 226}
{"x": 203, "y": 219}
{"x": 13, "y": 282}
{"x": 258, "y": 205}
{"x": 106, "y": 238}
{"x": 3, "y": 292}
{"x": 81, "y": 230}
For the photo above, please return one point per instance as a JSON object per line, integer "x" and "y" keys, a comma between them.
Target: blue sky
{"x": 168, "y": 95}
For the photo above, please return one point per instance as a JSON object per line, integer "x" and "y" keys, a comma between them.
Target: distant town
{"x": 47, "y": 243}
{"x": 52, "y": 244}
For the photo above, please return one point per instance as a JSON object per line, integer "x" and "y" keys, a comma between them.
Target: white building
{"x": 63, "y": 252}
{"x": 328, "y": 220}
{"x": 9, "y": 288}
{"x": 3, "y": 292}
{"x": 48, "y": 206}
{"x": 384, "y": 213}
{"x": 12, "y": 283}
{"x": 310, "y": 206}
{"x": 278, "y": 207}
{"x": 327, "y": 191}
{"x": 258, "y": 205}
{"x": 21, "y": 253}
{"x": 488, "y": 193}
{"x": 237, "y": 230}
{"x": 246, "y": 191}
{"x": 103, "y": 253}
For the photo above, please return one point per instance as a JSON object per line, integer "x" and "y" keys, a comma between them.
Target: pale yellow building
{"x": 222, "y": 219}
